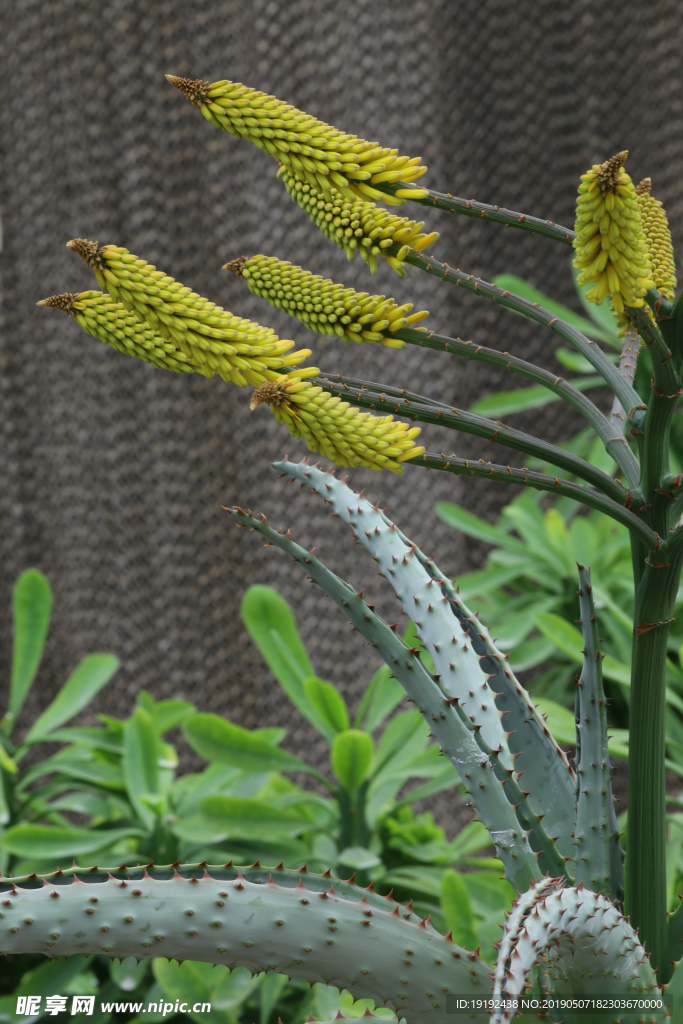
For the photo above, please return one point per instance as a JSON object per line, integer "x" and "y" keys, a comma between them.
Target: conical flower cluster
{"x": 314, "y": 151}
{"x": 103, "y": 318}
{"x": 610, "y": 245}
{"x": 324, "y": 306}
{"x": 334, "y": 428}
{"x": 357, "y": 225}
{"x": 213, "y": 339}
{"x": 658, "y": 239}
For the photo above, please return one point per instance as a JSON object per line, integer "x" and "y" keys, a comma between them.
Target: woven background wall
{"x": 112, "y": 473}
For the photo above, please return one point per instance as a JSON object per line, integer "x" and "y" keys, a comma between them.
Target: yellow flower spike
{"x": 357, "y": 225}
{"x": 658, "y": 239}
{"x": 110, "y": 322}
{"x": 212, "y": 339}
{"x": 334, "y": 428}
{"x": 314, "y": 151}
{"x": 324, "y": 306}
{"x": 611, "y": 249}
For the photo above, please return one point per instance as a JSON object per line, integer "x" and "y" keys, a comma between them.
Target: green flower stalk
{"x": 314, "y": 151}
{"x": 357, "y": 225}
{"x": 213, "y": 340}
{"x": 333, "y": 428}
{"x": 611, "y": 250}
{"x": 110, "y": 322}
{"x": 657, "y": 239}
{"x": 324, "y": 306}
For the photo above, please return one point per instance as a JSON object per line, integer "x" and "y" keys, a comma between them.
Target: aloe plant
{"x": 553, "y": 826}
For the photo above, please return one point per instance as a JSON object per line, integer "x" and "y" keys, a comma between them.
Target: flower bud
{"x": 313, "y": 151}
{"x": 357, "y": 225}
{"x": 334, "y": 428}
{"x": 324, "y": 306}
{"x": 211, "y": 338}
{"x": 103, "y": 318}
{"x": 657, "y": 239}
{"x": 610, "y": 245}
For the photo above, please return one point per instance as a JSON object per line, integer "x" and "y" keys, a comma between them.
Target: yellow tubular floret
{"x": 323, "y": 305}
{"x": 313, "y": 151}
{"x": 357, "y": 225}
{"x": 104, "y": 318}
{"x": 611, "y": 249}
{"x": 335, "y": 429}
{"x": 213, "y": 339}
{"x": 658, "y": 239}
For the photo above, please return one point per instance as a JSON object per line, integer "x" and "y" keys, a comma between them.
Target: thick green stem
{"x": 405, "y": 403}
{"x": 646, "y": 847}
{"x": 482, "y": 211}
{"x": 615, "y": 444}
{"x": 628, "y": 397}
{"x": 540, "y": 482}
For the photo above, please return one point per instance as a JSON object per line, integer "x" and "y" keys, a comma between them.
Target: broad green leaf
{"x": 50, "y": 977}
{"x": 204, "y": 984}
{"x": 560, "y": 721}
{"x": 503, "y": 403}
{"x": 351, "y": 756}
{"x": 387, "y": 693}
{"x": 359, "y": 858}
{"x": 457, "y": 909}
{"x": 569, "y": 640}
{"x": 7, "y": 764}
{"x": 44, "y": 842}
{"x": 229, "y": 817}
{"x": 5, "y": 813}
{"x": 141, "y": 755}
{"x": 71, "y": 764}
{"x": 168, "y": 714}
{"x": 526, "y": 291}
{"x": 473, "y": 526}
{"x": 405, "y": 736}
{"x": 572, "y": 360}
{"x": 271, "y": 990}
{"x": 89, "y": 736}
{"x": 32, "y": 602}
{"x": 272, "y": 626}
{"x": 218, "y": 740}
{"x": 83, "y": 684}
{"x": 327, "y": 708}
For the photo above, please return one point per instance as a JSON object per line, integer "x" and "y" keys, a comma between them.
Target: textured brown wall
{"x": 112, "y": 473}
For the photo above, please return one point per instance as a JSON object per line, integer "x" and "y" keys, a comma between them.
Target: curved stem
{"x": 482, "y": 211}
{"x": 404, "y": 403}
{"x": 628, "y": 397}
{"x": 540, "y": 482}
{"x": 615, "y": 444}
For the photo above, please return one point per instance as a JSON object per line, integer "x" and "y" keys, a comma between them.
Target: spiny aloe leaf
{"x": 461, "y": 677}
{"x": 547, "y": 776}
{"x": 599, "y": 856}
{"x": 291, "y": 923}
{"x": 452, "y": 729}
{"x": 584, "y": 944}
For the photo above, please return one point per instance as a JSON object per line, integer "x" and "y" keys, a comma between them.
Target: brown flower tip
{"x": 269, "y": 392}
{"x": 63, "y": 301}
{"x": 236, "y": 266}
{"x": 193, "y": 89}
{"x": 609, "y": 172}
{"x": 86, "y": 250}
{"x": 643, "y": 187}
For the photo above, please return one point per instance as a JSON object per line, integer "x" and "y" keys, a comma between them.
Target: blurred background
{"x": 113, "y": 473}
